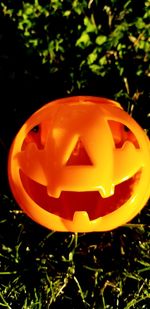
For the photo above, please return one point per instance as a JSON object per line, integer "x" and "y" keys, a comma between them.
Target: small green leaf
{"x": 103, "y": 60}
{"x": 101, "y": 39}
{"x": 84, "y": 40}
{"x": 67, "y": 13}
{"x": 91, "y": 58}
{"x": 29, "y": 9}
{"x": 90, "y": 26}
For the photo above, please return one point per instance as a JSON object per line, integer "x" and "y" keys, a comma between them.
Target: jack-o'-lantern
{"x": 80, "y": 164}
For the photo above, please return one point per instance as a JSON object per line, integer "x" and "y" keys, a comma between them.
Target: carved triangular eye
{"x": 79, "y": 156}
{"x": 121, "y": 134}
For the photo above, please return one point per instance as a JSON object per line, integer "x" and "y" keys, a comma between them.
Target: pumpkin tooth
{"x": 81, "y": 218}
{"x": 53, "y": 192}
{"x": 108, "y": 191}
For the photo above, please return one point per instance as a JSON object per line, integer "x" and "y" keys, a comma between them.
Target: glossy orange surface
{"x": 80, "y": 164}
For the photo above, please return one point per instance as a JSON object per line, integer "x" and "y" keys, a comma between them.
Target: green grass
{"x": 46, "y": 269}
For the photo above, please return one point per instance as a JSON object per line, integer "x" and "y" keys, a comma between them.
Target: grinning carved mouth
{"x": 70, "y": 202}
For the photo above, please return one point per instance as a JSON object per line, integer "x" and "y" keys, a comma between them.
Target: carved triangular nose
{"x": 79, "y": 155}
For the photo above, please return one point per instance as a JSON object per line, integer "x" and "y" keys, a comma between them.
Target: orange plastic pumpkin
{"x": 80, "y": 164}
